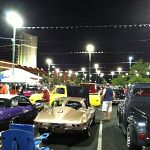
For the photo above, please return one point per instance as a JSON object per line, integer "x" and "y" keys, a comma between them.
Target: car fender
{"x": 139, "y": 127}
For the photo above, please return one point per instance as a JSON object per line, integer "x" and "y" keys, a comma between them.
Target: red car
{"x": 29, "y": 91}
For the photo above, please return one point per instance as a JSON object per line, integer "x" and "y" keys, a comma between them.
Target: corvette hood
{"x": 60, "y": 115}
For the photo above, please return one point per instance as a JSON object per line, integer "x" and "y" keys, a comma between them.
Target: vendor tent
{"x": 2, "y": 77}
{"x": 19, "y": 75}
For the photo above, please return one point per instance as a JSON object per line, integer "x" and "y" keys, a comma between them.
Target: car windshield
{"x": 57, "y": 103}
{"x": 3, "y": 102}
{"x": 73, "y": 104}
{"x": 144, "y": 92}
{"x": 31, "y": 89}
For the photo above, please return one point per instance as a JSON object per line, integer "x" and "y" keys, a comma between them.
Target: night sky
{"x": 90, "y": 22}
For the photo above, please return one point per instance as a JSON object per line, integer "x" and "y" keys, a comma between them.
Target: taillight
{"x": 142, "y": 136}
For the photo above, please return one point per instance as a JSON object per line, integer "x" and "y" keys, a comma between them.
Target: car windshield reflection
{"x": 3, "y": 102}
{"x": 57, "y": 103}
{"x": 73, "y": 104}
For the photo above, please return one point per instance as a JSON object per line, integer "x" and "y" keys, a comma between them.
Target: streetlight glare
{"x": 76, "y": 73}
{"x": 70, "y": 71}
{"x": 57, "y": 70}
{"x": 90, "y": 48}
{"x": 96, "y": 66}
{"x": 48, "y": 60}
{"x": 119, "y": 69}
{"x": 98, "y": 72}
{"x": 14, "y": 19}
{"x": 112, "y": 72}
{"x": 130, "y": 58}
{"x": 83, "y": 69}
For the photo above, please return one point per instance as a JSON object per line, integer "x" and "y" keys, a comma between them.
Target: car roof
{"x": 7, "y": 96}
{"x": 78, "y": 99}
{"x": 141, "y": 85}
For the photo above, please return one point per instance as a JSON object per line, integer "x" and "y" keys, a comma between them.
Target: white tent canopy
{"x": 20, "y": 75}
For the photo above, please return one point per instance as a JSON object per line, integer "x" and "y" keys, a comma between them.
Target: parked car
{"x": 119, "y": 95}
{"x": 83, "y": 90}
{"x": 134, "y": 116}
{"x": 12, "y": 106}
{"x": 29, "y": 91}
{"x": 67, "y": 115}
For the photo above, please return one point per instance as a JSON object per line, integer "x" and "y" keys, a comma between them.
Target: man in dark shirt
{"x": 108, "y": 96}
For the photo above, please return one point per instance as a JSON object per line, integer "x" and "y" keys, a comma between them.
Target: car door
{"x": 28, "y": 110}
{"x": 13, "y": 110}
{"x": 124, "y": 113}
{"x": 59, "y": 91}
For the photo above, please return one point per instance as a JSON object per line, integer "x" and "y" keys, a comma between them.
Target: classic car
{"x": 29, "y": 91}
{"x": 134, "y": 116}
{"x": 66, "y": 115}
{"x": 93, "y": 97}
{"x": 12, "y": 106}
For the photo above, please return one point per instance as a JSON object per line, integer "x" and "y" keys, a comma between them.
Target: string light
{"x": 90, "y": 26}
{"x": 97, "y": 52}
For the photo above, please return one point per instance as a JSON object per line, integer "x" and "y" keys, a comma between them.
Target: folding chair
{"x": 21, "y": 137}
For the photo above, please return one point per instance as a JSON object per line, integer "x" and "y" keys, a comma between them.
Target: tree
{"x": 139, "y": 79}
{"x": 138, "y": 72}
{"x": 120, "y": 80}
{"x": 139, "y": 68}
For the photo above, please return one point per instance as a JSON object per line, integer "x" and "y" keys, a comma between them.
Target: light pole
{"x": 16, "y": 21}
{"x": 49, "y": 62}
{"x": 83, "y": 70}
{"x": 130, "y": 59}
{"x": 119, "y": 69}
{"x": 76, "y": 73}
{"x": 112, "y": 73}
{"x": 96, "y": 67}
{"x": 98, "y": 73}
{"x": 57, "y": 71}
{"x": 90, "y": 49}
{"x": 70, "y": 73}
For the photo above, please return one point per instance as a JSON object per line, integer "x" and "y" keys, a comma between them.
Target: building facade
{"x": 27, "y": 50}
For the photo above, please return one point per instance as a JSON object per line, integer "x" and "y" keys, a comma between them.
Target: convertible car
{"x": 12, "y": 106}
{"x": 66, "y": 115}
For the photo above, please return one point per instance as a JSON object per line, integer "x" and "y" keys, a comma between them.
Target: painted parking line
{"x": 99, "y": 145}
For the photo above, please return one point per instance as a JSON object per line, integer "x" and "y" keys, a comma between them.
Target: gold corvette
{"x": 66, "y": 115}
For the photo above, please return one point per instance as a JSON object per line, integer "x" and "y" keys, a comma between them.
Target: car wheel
{"x": 131, "y": 143}
{"x": 87, "y": 132}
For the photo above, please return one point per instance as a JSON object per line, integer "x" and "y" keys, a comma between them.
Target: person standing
{"x": 46, "y": 95}
{"x": 3, "y": 89}
{"x": 20, "y": 90}
{"x": 108, "y": 95}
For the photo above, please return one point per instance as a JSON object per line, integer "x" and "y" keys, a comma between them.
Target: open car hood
{"x": 78, "y": 91}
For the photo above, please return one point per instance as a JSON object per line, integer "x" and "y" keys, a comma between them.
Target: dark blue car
{"x": 12, "y": 106}
{"x": 134, "y": 116}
